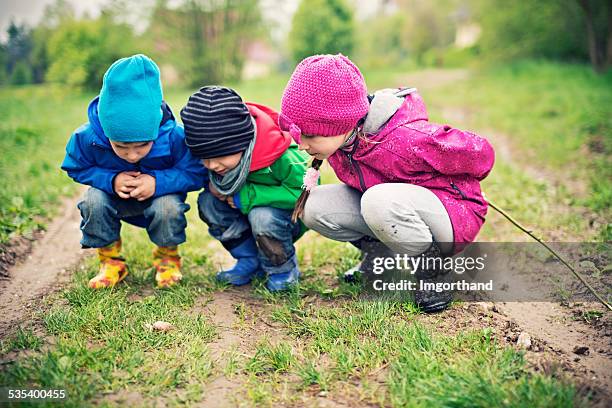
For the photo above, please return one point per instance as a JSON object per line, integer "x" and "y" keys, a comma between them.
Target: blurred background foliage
{"x": 210, "y": 41}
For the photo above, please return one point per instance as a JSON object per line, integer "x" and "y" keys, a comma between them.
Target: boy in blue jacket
{"x": 133, "y": 156}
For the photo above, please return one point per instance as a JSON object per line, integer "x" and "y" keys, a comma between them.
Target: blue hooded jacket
{"x": 91, "y": 160}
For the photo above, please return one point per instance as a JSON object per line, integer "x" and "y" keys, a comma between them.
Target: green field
{"x": 319, "y": 340}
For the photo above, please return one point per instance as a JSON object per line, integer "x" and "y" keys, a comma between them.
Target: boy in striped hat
{"x": 256, "y": 173}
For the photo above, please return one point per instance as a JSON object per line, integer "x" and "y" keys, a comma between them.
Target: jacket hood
{"x": 386, "y": 103}
{"x": 271, "y": 141}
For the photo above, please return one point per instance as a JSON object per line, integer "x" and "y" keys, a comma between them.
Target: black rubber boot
{"x": 430, "y": 301}
{"x": 370, "y": 248}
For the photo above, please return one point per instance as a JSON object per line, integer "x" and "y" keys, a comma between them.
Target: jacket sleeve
{"x": 187, "y": 174}
{"x": 452, "y": 151}
{"x": 81, "y": 166}
{"x": 289, "y": 170}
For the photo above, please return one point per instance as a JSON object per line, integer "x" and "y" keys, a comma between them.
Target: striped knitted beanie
{"x": 217, "y": 123}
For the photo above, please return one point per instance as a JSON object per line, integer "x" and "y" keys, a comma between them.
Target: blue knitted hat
{"x": 130, "y": 100}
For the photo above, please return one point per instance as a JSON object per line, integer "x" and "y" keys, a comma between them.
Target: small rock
{"x": 323, "y": 394}
{"x": 577, "y": 359}
{"x": 485, "y": 307}
{"x": 160, "y": 326}
{"x": 582, "y": 350}
{"x": 524, "y": 340}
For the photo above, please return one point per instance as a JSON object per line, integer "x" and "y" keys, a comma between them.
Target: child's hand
{"x": 143, "y": 187}
{"x": 215, "y": 192}
{"x": 120, "y": 183}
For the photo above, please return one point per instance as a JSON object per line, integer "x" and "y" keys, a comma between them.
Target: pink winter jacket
{"x": 410, "y": 149}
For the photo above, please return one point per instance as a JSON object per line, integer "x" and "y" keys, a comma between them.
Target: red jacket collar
{"x": 271, "y": 142}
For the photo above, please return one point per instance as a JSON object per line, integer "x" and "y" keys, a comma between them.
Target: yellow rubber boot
{"x": 112, "y": 267}
{"x": 167, "y": 263}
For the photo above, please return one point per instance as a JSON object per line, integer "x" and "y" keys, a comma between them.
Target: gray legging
{"x": 403, "y": 216}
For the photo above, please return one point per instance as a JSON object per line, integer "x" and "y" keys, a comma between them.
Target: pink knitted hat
{"x": 326, "y": 96}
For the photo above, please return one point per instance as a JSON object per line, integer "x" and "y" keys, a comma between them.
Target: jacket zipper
{"x": 458, "y": 190}
{"x": 356, "y": 166}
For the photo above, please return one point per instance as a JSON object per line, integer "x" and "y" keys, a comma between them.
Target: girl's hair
{"x": 301, "y": 202}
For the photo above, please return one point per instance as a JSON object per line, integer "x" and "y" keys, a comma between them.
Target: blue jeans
{"x": 271, "y": 227}
{"x": 102, "y": 213}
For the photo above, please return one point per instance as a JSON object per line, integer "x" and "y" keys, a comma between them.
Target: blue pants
{"x": 271, "y": 227}
{"x": 102, "y": 213}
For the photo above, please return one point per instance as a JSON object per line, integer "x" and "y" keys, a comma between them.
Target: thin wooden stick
{"x": 513, "y": 221}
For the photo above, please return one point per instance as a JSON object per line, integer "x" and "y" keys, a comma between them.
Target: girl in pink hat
{"x": 410, "y": 184}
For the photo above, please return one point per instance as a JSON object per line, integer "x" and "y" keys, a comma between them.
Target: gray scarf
{"x": 234, "y": 180}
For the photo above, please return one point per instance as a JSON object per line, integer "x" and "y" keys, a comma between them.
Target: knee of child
{"x": 312, "y": 215}
{"x": 168, "y": 207}
{"x": 308, "y": 217}
{"x": 205, "y": 199}
{"x": 94, "y": 201}
{"x": 273, "y": 249}
{"x": 375, "y": 204}
{"x": 261, "y": 218}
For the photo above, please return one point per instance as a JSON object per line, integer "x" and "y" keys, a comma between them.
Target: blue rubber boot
{"x": 283, "y": 281}
{"x": 247, "y": 266}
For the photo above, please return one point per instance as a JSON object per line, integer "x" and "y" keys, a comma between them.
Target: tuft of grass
{"x": 22, "y": 339}
{"x": 275, "y": 358}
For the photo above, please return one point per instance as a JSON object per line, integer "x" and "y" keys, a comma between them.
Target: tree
{"x": 428, "y": 25}
{"x": 383, "y": 43}
{"x": 322, "y": 27}
{"x": 208, "y": 37}
{"x": 80, "y": 51}
{"x": 21, "y": 74}
{"x": 598, "y": 25}
{"x": 18, "y": 48}
{"x": 3, "y": 75}
{"x": 542, "y": 29}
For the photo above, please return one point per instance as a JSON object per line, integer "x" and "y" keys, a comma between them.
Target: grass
{"x": 319, "y": 340}
{"x": 34, "y": 125}
{"x": 326, "y": 343}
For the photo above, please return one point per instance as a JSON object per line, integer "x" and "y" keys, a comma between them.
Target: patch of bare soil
{"x": 241, "y": 323}
{"x": 16, "y": 250}
{"x": 552, "y": 346}
{"x": 42, "y": 271}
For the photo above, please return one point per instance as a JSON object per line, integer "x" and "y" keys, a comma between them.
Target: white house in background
{"x": 467, "y": 34}
{"x": 261, "y": 60}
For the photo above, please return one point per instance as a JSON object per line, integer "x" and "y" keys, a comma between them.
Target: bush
{"x": 321, "y": 27}
{"x": 21, "y": 74}
{"x": 79, "y": 52}
{"x": 546, "y": 28}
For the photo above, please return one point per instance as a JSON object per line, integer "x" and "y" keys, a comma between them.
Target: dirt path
{"x": 47, "y": 265}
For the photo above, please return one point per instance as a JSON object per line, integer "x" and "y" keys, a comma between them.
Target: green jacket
{"x": 278, "y": 185}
